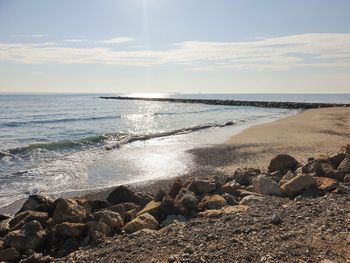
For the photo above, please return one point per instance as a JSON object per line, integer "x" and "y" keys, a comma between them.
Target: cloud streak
{"x": 278, "y": 53}
{"x": 116, "y": 40}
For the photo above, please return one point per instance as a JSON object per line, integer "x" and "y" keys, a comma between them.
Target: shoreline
{"x": 238, "y": 151}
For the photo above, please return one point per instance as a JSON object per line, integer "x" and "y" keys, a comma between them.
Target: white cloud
{"x": 38, "y": 35}
{"x": 278, "y": 53}
{"x": 116, "y": 40}
{"x": 74, "y": 40}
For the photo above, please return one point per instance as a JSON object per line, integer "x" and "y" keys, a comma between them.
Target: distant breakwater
{"x": 262, "y": 104}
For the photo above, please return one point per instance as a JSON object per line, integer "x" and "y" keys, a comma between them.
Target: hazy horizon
{"x": 153, "y": 46}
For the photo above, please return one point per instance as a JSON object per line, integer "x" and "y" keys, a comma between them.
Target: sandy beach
{"x": 209, "y": 238}
{"x": 311, "y": 133}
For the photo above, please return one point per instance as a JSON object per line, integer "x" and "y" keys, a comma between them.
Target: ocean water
{"x": 53, "y": 143}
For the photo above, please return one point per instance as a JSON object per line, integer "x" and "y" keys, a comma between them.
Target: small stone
{"x": 172, "y": 259}
{"x": 175, "y": 188}
{"x": 276, "y": 219}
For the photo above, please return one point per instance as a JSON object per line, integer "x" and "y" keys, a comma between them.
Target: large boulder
{"x": 326, "y": 184}
{"x": 69, "y": 229}
{"x": 30, "y": 237}
{"x": 120, "y": 194}
{"x": 298, "y": 184}
{"x": 9, "y": 255}
{"x": 110, "y": 218}
{"x": 144, "y": 221}
{"x": 175, "y": 188}
{"x": 153, "y": 208}
{"x": 212, "y": 202}
{"x": 282, "y": 163}
{"x": 187, "y": 198}
{"x": 24, "y": 217}
{"x": 264, "y": 185}
{"x": 34, "y": 201}
{"x": 68, "y": 210}
{"x": 202, "y": 186}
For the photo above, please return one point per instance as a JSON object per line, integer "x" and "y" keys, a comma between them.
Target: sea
{"x": 57, "y": 143}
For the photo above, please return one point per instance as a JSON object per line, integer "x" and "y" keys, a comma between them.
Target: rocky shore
{"x": 290, "y": 212}
{"x": 262, "y": 104}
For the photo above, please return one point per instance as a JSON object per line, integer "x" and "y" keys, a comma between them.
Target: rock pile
{"x": 46, "y": 228}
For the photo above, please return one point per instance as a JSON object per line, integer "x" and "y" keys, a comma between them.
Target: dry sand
{"x": 310, "y": 133}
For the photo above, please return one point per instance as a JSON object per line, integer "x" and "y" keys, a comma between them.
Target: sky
{"x": 188, "y": 46}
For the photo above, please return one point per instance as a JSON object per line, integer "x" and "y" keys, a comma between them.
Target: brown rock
{"x": 34, "y": 201}
{"x": 237, "y": 209}
{"x": 9, "y": 254}
{"x": 159, "y": 196}
{"x": 337, "y": 159}
{"x": 202, "y": 186}
{"x": 24, "y": 217}
{"x": 175, "y": 188}
{"x": 169, "y": 206}
{"x": 244, "y": 176}
{"x": 4, "y": 217}
{"x": 144, "y": 221}
{"x": 344, "y": 166}
{"x": 130, "y": 215}
{"x": 283, "y": 163}
{"x": 69, "y": 229}
{"x": 131, "y": 206}
{"x": 153, "y": 208}
{"x": 326, "y": 184}
{"x": 110, "y": 218}
{"x": 141, "y": 199}
{"x": 212, "y": 202}
{"x": 119, "y": 209}
{"x": 29, "y": 237}
{"x": 298, "y": 184}
{"x": 100, "y": 227}
{"x": 68, "y": 210}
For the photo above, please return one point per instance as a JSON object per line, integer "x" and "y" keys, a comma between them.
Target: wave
{"x": 64, "y": 120}
{"x": 21, "y": 123}
{"x": 109, "y": 141}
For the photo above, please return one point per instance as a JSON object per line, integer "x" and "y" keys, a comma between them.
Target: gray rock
{"x": 251, "y": 199}
{"x": 187, "y": 198}
{"x": 263, "y": 185}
